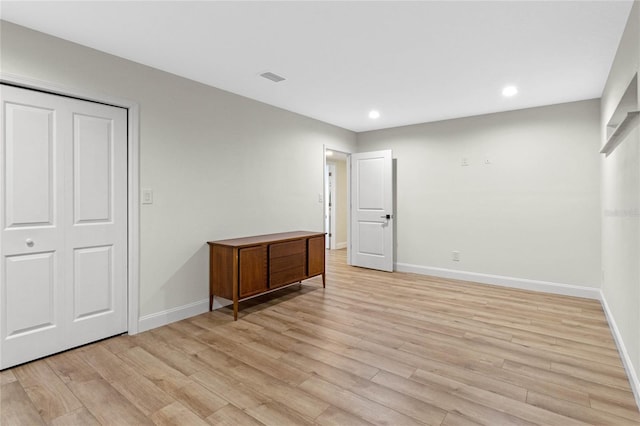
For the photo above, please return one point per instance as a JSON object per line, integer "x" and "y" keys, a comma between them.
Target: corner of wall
{"x": 634, "y": 380}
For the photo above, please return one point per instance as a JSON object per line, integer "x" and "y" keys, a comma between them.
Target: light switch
{"x": 147, "y": 196}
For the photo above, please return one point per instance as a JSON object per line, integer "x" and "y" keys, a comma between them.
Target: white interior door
{"x": 63, "y": 274}
{"x": 372, "y": 210}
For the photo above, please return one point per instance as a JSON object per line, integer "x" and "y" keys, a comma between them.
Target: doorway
{"x": 335, "y": 199}
{"x": 367, "y": 201}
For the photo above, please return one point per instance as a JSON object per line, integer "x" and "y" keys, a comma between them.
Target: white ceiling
{"x": 413, "y": 61}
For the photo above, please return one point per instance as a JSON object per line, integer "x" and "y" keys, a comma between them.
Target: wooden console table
{"x": 241, "y": 268}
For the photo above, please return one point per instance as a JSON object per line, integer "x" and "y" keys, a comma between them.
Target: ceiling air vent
{"x": 273, "y": 77}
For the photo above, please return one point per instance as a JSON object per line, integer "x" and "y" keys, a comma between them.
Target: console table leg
{"x": 235, "y": 310}
{"x": 323, "y": 280}
{"x": 210, "y": 302}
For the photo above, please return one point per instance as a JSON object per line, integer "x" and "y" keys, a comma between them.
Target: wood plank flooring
{"x": 371, "y": 348}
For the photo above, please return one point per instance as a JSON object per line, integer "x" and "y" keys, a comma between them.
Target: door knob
{"x": 30, "y": 242}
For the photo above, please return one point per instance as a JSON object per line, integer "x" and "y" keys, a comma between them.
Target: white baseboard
{"x": 342, "y": 245}
{"x": 634, "y": 381}
{"x": 159, "y": 319}
{"x": 499, "y": 280}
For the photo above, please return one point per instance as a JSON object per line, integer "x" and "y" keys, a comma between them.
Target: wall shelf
{"x": 624, "y": 118}
{"x": 630, "y": 120}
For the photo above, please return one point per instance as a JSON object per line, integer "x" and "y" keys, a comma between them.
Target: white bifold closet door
{"x": 63, "y": 271}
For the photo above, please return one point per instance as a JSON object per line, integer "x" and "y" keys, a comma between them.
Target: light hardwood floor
{"x": 373, "y": 347}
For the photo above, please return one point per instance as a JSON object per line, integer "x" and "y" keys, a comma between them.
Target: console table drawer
{"x": 287, "y": 262}
{"x": 288, "y": 248}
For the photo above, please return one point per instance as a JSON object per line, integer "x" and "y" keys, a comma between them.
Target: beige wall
{"x": 621, "y": 205}
{"x": 532, "y": 213}
{"x": 220, "y": 165}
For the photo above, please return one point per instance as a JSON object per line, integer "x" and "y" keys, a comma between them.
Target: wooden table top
{"x": 265, "y": 239}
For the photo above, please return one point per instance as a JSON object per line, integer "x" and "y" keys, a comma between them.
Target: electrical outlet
{"x": 455, "y": 256}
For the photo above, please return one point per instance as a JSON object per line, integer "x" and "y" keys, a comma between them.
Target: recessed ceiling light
{"x": 509, "y": 91}
{"x": 373, "y": 114}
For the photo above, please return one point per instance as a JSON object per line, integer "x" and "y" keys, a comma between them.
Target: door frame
{"x": 133, "y": 176}
{"x": 326, "y": 148}
{"x": 330, "y": 193}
